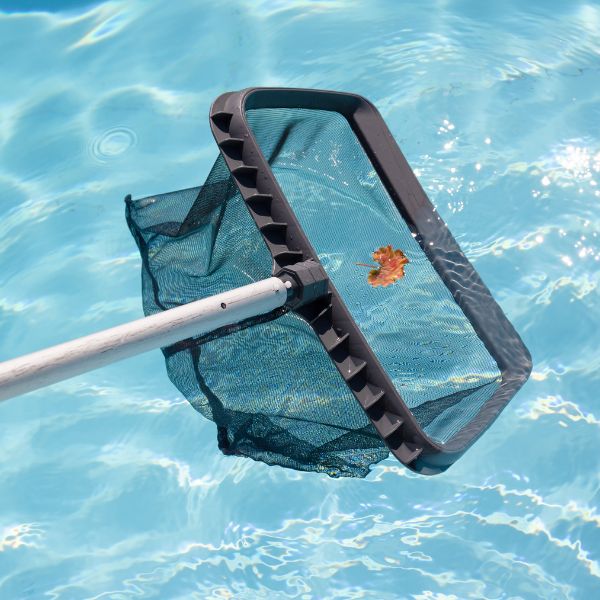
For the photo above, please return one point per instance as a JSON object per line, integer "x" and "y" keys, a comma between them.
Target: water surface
{"x": 112, "y": 485}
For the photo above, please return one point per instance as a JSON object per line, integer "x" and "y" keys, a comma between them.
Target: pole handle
{"x": 57, "y": 363}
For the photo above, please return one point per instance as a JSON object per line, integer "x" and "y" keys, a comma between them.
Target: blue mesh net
{"x": 270, "y": 388}
{"x": 272, "y": 391}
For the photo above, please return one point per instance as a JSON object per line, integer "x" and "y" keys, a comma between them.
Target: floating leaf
{"x": 391, "y": 266}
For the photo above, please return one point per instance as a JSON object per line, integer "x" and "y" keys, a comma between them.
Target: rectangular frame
{"x": 328, "y": 316}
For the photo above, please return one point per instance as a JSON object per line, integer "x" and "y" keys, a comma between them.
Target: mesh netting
{"x": 269, "y": 386}
{"x": 272, "y": 391}
{"x": 421, "y": 337}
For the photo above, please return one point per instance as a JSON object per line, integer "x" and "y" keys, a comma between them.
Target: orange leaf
{"x": 391, "y": 266}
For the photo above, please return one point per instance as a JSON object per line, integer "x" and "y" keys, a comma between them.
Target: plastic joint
{"x": 309, "y": 282}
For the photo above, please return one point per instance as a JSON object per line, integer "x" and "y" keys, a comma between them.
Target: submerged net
{"x": 270, "y": 388}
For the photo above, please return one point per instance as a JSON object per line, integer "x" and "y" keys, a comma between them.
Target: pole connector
{"x": 308, "y": 279}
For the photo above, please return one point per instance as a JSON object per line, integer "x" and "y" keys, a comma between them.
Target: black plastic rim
{"x": 328, "y": 316}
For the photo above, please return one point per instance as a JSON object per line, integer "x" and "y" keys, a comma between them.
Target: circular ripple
{"x": 113, "y": 143}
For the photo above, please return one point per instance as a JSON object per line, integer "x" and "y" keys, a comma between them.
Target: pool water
{"x": 112, "y": 485}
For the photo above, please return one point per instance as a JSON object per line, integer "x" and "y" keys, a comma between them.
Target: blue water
{"x": 112, "y": 485}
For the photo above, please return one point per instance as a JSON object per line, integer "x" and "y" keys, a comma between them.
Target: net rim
{"x": 356, "y": 362}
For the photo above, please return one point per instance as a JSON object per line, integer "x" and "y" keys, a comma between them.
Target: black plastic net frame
{"x": 244, "y": 178}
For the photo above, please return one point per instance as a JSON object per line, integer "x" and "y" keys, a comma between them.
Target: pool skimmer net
{"x": 309, "y": 299}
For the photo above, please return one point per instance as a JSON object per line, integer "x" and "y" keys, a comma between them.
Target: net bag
{"x": 419, "y": 367}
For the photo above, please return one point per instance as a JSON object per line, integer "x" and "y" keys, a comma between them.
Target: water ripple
{"x": 112, "y": 143}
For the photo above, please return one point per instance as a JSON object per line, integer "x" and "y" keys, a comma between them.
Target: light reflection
{"x": 567, "y": 260}
{"x": 570, "y": 164}
{"x": 111, "y": 23}
{"x": 22, "y": 535}
{"x": 556, "y": 405}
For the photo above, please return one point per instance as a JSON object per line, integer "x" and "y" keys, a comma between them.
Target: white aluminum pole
{"x": 39, "y": 369}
